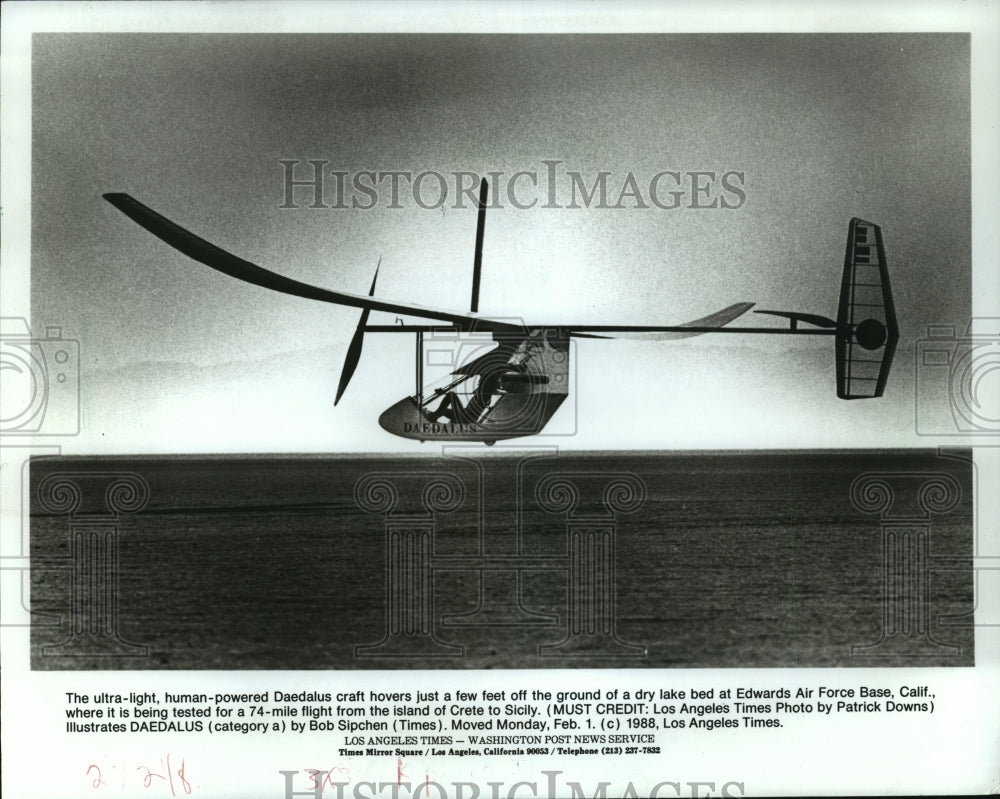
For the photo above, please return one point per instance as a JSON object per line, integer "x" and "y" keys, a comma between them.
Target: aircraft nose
{"x": 401, "y": 419}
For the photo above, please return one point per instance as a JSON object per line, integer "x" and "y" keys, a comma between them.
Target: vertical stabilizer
{"x": 866, "y": 319}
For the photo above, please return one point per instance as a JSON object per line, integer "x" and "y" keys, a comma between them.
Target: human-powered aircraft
{"x": 513, "y": 388}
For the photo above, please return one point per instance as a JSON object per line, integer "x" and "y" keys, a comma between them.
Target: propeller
{"x": 354, "y": 348}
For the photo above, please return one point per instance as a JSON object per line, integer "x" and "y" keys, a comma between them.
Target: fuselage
{"x": 490, "y": 398}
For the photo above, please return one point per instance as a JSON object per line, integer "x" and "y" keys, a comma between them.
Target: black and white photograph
{"x": 499, "y": 401}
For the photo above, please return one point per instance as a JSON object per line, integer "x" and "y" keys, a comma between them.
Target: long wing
{"x": 207, "y": 253}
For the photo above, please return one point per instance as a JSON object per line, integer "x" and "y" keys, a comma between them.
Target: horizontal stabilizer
{"x": 808, "y": 318}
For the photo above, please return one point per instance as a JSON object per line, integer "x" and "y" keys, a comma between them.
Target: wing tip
{"x": 118, "y": 199}
{"x": 734, "y": 311}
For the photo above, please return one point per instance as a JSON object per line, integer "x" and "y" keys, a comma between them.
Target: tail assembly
{"x": 865, "y": 328}
{"x": 866, "y": 319}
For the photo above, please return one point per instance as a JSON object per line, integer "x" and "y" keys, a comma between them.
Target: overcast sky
{"x": 820, "y": 128}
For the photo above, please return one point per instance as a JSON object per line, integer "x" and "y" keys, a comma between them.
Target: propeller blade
{"x": 353, "y": 356}
{"x": 354, "y": 348}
